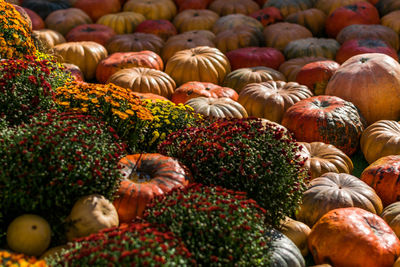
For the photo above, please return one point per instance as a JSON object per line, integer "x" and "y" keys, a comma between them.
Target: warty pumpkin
{"x": 215, "y": 108}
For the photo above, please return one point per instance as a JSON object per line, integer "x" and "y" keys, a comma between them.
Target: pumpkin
{"x": 372, "y": 82}
{"x": 391, "y": 215}
{"x": 336, "y": 190}
{"x": 288, "y": 7}
{"x": 234, "y": 39}
{"x": 279, "y": 34}
{"x": 64, "y": 20}
{"x": 386, "y": 6}
{"x": 191, "y": 90}
{"x": 363, "y": 46}
{"x": 323, "y": 158}
{"x": 122, "y": 22}
{"x": 313, "y": 19}
{"x": 216, "y": 108}
{"x": 239, "y": 78}
{"x": 327, "y": 119}
{"x": 98, "y": 8}
{"x": 271, "y": 99}
{"x": 397, "y": 263}
{"x": 75, "y": 71}
{"x": 392, "y": 21}
{"x": 195, "y": 19}
{"x": 382, "y": 175}
{"x": 149, "y": 96}
{"x": 255, "y": 56}
{"x": 160, "y": 27}
{"x": 268, "y": 15}
{"x": 89, "y": 215}
{"x": 37, "y": 21}
{"x": 382, "y": 138}
{"x": 369, "y": 31}
{"x": 29, "y": 234}
{"x": 53, "y": 252}
{"x": 90, "y": 32}
{"x": 357, "y": 13}
{"x": 284, "y": 253}
{"x": 184, "y": 41}
{"x": 49, "y": 38}
{"x": 86, "y": 55}
{"x": 44, "y": 7}
{"x": 353, "y": 237}
{"x": 118, "y": 61}
{"x": 24, "y": 15}
{"x": 202, "y": 64}
{"x": 235, "y": 21}
{"x": 315, "y": 75}
{"x": 152, "y": 9}
{"x": 192, "y": 4}
{"x": 297, "y": 232}
{"x": 146, "y": 176}
{"x": 144, "y": 80}
{"x": 134, "y": 42}
{"x": 291, "y": 67}
{"x": 227, "y": 7}
{"x": 328, "y": 6}
{"x": 312, "y": 47}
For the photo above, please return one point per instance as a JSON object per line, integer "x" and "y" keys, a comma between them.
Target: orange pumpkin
{"x": 98, "y": 8}
{"x": 191, "y": 90}
{"x": 146, "y": 176}
{"x": 291, "y": 67}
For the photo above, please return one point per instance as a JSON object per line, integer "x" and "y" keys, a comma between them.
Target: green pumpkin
{"x": 312, "y": 47}
{"x": 288, "y": 7}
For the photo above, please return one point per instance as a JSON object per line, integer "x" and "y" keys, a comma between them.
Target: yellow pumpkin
{"x": 236, "y": 38}
{"x": 152, "y": 9}
{"x": 195, "y": 19}
{"x": 392, "y": 20}
{"x": 122, "y": 22}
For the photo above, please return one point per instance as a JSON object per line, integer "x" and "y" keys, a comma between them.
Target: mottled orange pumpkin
{"x": 160, "y": 27}
{"x": 191, "y": 90}
{"x": 97, "y": 8}
{"x": 255, "y": 56}
{"x": 290, "y": 68}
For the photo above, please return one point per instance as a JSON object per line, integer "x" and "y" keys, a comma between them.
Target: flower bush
{"x": 117, "y": 106}
{"x": 15, "y": 34}
{"x": 27, "y": 86}
{"x": 139, "y": 244}
{"x": 19, "y": 260}
{"x": 50, "y": 162}
{"x": 168, "y": 118}
{"x": 219, "y": 226}
{"x": 245, "y": 155}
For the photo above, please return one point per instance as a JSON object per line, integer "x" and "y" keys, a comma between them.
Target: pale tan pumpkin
{"x": 291, "y": 67}
{"x": 144, "y": 80}
{"x": 63, "y": 20}
{"x": 333, "y": 191}
{"x": 313, "y": 19}
{"x": 226, "y": 7}
{"x": 89, "y": 215}
{"x": 134, "y": 42}
{"x": 215, "y": 108}
{"x": 233, "y": 39}
{"x": 195, "y": 19}
{"x": 49, "y": 38}
{"x": 152, "y": 9}
{"x": 279, "y": 34}
{"x": 122, "y": 22}
{"x": 391, "y": 215}
{"x": 323, "y": 158}
{"x": 297, "y": 232}
{"x": 271, "y": 99}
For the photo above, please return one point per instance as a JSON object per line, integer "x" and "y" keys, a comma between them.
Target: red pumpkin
{"x": 146, "y": 176}
{"x": 362, "y": 46}
{"x": 75, "y": 71}
{"x": 358, "y": 13}
{"x": 192, "y": 4}
{"x": 161, "y": 27}
{"x": 315, "y": 75}
{"x": 191, "y": 90}
{"x": 268, "y": 15}
{"x": 149, "y": 96}
{"x": 90, "y": 32}
{"x": 327, "y": 119}
{"x": 37, "y": 21}
{"x": 97, "y": 8}
{"x": 255, "y": 56}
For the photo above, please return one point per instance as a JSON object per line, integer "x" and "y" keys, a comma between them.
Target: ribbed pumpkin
{"x": 312, "y": 47}
{"x": 98, "y": 8}
{"x": 64, "y": 20}
{"x": 271, "y": 99}
{"x": 90, "y": 32}
{"x": 279, "y": 34}
{"x": 297, "y": 232}
{"x": 323, "y": 158}
{"x": 123, "y": 60}
{"x": 152, "y": 9}
{"x": 336, "y": 190}
{"x": 237, "y": 38}
{"x": 37, "y": 21}
{"x": 161, "y": 27}
{"x": 353, "y": 237}
{"x": 122, "y": 22}
{"x": 146, "y": 176}
{"x": 383, "y": 175}
{"x": 75, "y": 71}
{"x": 313, "y": 19}
{"x": 44, "y": 7}
{"x": 382, "y": 138}
{"x": 216, "y": 108}
{"x": 239, "y": 78}
{"x": 328, "y": 6}
{"x": 288, "y": 7}
{"x": 227, "y": 7}
{"x": 327, "y": 119}
{"x": 202, "y": 64}
{"x": 268, "y": 15}
{"x": 235, "y": 21}
{"x": 49, "y": 38}
{"x": 184, "y": 41}
{"x": 86, "y": 55}
{"x": 315, "y": 75}
{"x": 255, "y": 56}
{"x": 372, "y": 83}
{"x": 392, "y": 20}
{"x": 195, "y": 19}
{"x": 191, "y": 90}
{"x": 134, "y": 42}
{"x": 391, "y": 215}
{"x": 363, "y": 46}
{"x": 387, "y": 6}
{"x": 369, "y": 31}
{"x": 144, "y": 80}
{"x": 291, "y": 67}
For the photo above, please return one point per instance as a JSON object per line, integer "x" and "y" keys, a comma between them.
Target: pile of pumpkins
{"x": 327, "y": 70}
